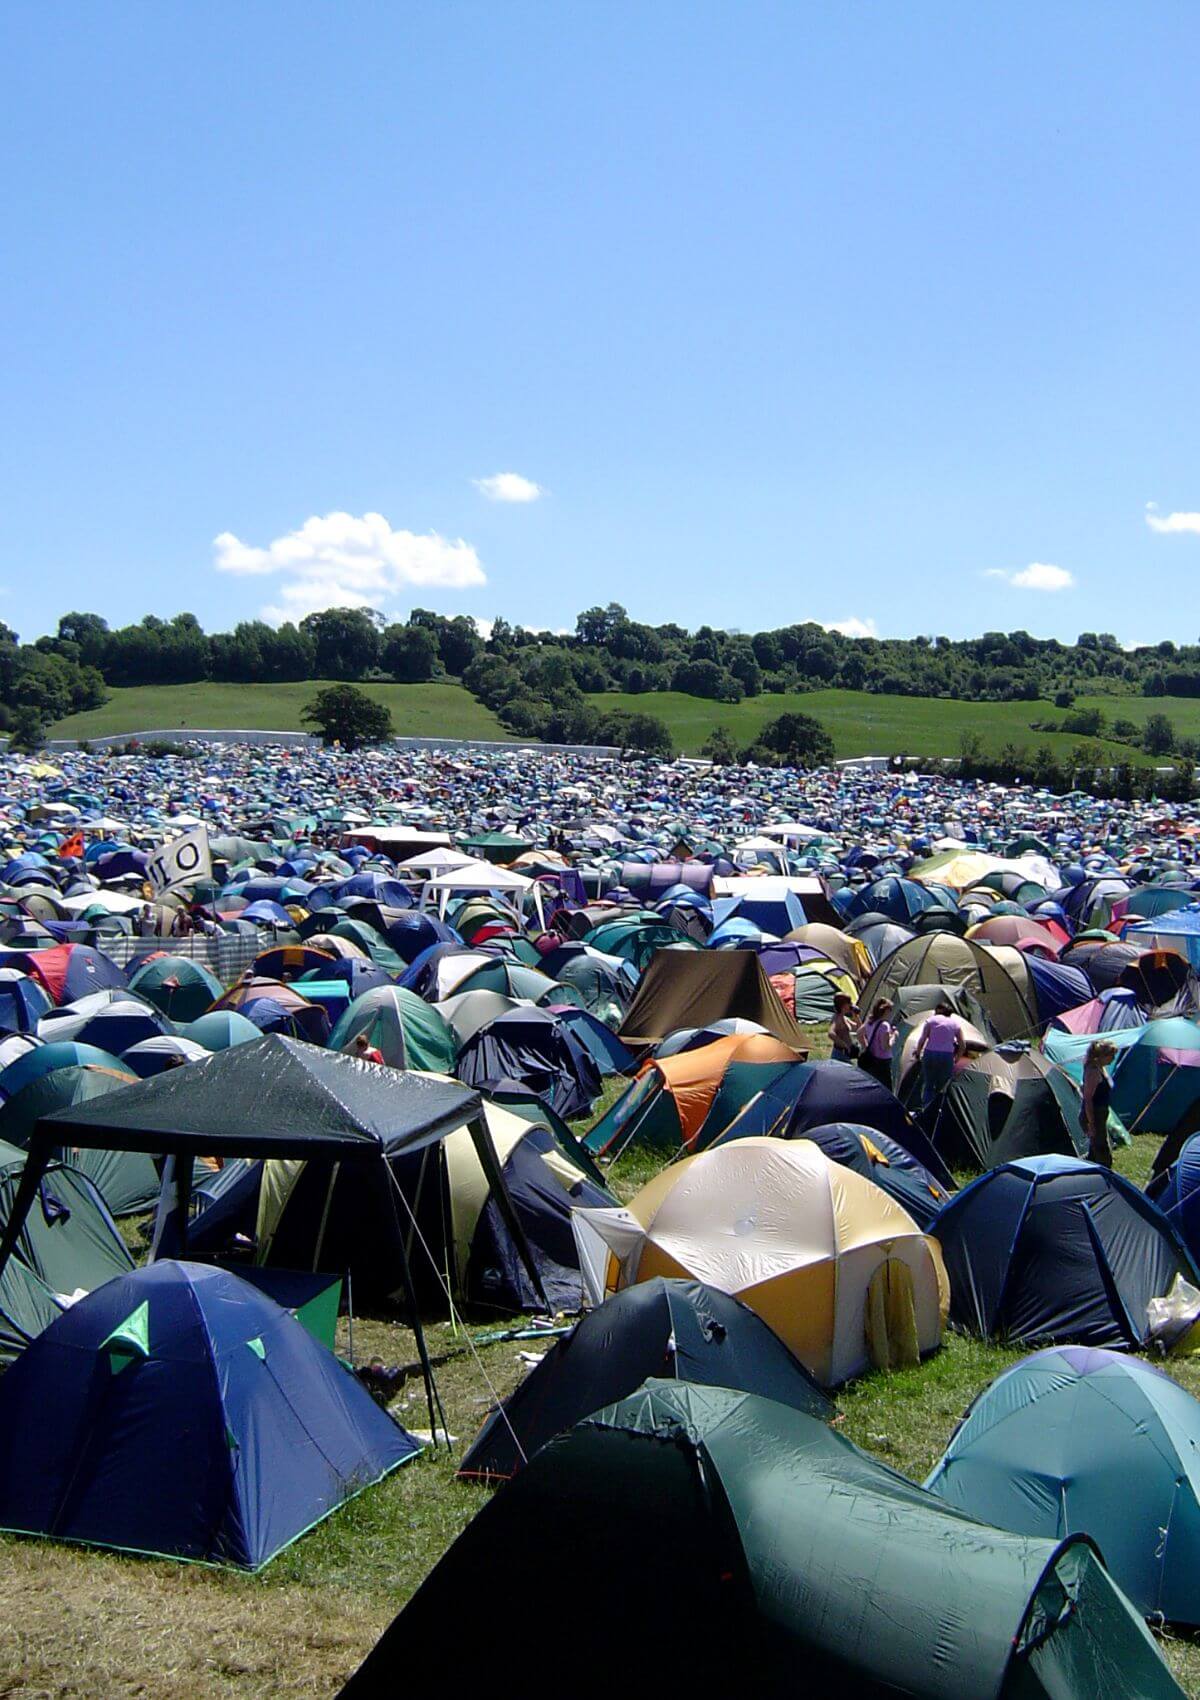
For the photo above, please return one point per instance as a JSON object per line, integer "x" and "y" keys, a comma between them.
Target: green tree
{"x": 343, "y": 714}
{"x": 792, "y": 740}
{"x": 345, "y": 640}
{"x": 719, "y": 747}
{"x": 410, "y": 654}
{"x": 1158, "y": 735}
{"x": 645, "y": 733}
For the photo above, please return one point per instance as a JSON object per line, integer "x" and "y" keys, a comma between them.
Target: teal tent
{"x": 1078, "y": 1439}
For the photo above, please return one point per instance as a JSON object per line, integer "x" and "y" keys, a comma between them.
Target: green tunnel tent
{"x": 69, "y": 1239}
{"x": 69, "y": 1244}
{"x": 733, "y": 1534}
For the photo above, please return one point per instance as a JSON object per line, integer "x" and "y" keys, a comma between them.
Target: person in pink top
{"x": 941, "y": 1044}
{"x": 878, "y": 1037}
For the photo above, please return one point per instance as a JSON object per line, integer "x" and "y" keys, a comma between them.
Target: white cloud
{"x": 852, "y": 627}
{"x": 1168, "y": 525}
{"x": 1038, "y": 575}
{"x": 348, "y": 560}
{"x": 508, "y": 487}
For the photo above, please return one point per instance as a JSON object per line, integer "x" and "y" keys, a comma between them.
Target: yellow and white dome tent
{"x": 835, "y": 1267}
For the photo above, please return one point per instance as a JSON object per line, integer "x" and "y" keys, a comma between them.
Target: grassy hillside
{"x": 420, "y": 711}
{"x": 862, "y": 724}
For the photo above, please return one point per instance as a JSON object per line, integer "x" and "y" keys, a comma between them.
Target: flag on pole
{"x": 181, "y": 862}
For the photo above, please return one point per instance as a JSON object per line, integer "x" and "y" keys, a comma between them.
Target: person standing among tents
{"x": 1097, "y": 1094}
{"x": 845, "y": 1034}
{"x": 878, "y": 1037}
{"x": 938, "y": 1049}
{"x": 365, "y": 1051}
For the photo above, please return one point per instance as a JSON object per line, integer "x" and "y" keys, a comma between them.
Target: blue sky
{"x": 780, "y": 312}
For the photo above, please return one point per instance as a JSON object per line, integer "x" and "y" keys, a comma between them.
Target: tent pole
{"x": 486, "y": 1152}
{"x": 432, "y": 1397}
{"x": 35, "y": 1167}
{"x": 183, "y": 1197}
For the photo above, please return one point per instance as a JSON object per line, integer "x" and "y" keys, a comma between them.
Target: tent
{"x": 537, "y": 1049}
{"x": 942, "y": 959}
{"x": 408, "y": 1032}
{"x": 729, "y": 1534}
{"x": 691, "y": 988}
{"x": 833, "y": 1265}
{"x": 1176, "y": 1191}
{"x": 1156, "y": 1082}
{"x": 879, "y": 1159}
{"x": 23, "y": 1001}
{"x": 810, "y": 1095}
{"x": 676, "y": 1100}
{"x": 1054, "y": 1248}
{"x": 1005, "y": 1104}
{"x": 679, "y": 1330}
{"x": 177, "y": 1411}
{"x": 180, "y": 988}
{"x": 1081, "y": 1440}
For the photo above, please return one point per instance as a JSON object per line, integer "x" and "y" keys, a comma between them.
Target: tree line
{"x": 544, "y": 685}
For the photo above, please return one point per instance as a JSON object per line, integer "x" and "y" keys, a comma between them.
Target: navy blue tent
{"x": 811, "y": 1095}
{"x": 22, "y": 1002}
{"x": 541, "y": 1051}
{"x": 179, "y": 1411}
{"x": 880, "y": 1159}
{"x": 1176, "y": 1191}
{"x": 1056, "y": 986}
{"x": 1055, "y": 1248}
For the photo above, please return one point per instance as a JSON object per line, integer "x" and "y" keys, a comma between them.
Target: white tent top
{"x": 437, "y": 860}
{"x": 116, "y": 902}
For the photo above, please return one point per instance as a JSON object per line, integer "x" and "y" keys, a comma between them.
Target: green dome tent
{"x": 733, "y": 1535}
{"x": 407, "y": 1031}
{"x": 1079, "y": 1438}
{"x": 180, "y": 988}
{"x": 943, "y": 959}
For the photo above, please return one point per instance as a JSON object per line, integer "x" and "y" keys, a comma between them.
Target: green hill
{"x": 421, "y": 711}
{"x": 863, "y": 724}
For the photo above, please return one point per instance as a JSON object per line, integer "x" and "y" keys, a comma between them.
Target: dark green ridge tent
{"x": 276, "y": 1097}
{"x": 745, "y": 1547}
{"x": 684, "y": 988}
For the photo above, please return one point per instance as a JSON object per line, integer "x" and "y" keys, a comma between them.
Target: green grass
{"x": 862, "y": 724}
{"x": 422, "y": 711}
{"x": 84, "y": 1623}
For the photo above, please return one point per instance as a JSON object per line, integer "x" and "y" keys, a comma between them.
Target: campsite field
{"x": 861, "y": 724}
{"x": 84, "y": 1624}
{"x": 420, "y": 711}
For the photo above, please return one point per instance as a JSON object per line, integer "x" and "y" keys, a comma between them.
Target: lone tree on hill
{"x": 343, "y": 714}
{"x": 791, "y": 740}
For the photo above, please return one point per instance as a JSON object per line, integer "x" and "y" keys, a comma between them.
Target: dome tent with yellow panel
{"x": 838, "y": 1269}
